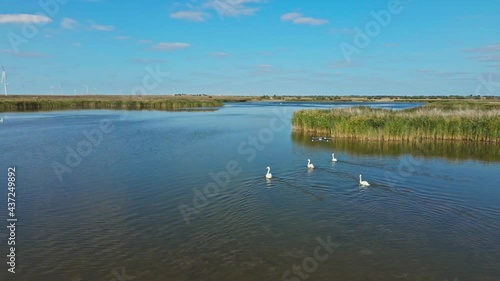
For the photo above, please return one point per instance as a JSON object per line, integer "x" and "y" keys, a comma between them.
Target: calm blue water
{"x": 182, "y": 196}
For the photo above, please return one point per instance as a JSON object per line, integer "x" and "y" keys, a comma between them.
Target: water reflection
{"x": 456, "y": 151}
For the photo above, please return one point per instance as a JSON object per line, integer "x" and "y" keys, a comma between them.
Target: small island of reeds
{"x": 464, "y": 121}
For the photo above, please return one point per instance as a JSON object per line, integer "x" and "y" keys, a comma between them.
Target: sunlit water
{"x": 431, "y": 213}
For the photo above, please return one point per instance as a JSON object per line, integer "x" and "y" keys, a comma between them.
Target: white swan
{"x": 333, "y": 158}
{"x": 269, "y": 175}
{"x": 362, "y": 182}
{"x": 309, "y": 165}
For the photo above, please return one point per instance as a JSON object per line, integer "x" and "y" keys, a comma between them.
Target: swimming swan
{"x": 333, "y": 158}
{"x": 309, "y": 165}
{"x": 362, "y": 182}
{"x": 269, "y": 175}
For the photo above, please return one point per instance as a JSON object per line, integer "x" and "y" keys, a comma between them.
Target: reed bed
{"x": 435, "y": 121}
{"x": 35, "y": 103}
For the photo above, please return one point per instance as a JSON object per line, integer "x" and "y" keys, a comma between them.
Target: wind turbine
{"x": 86, "y": 86}
{"x": 4, "y": 80}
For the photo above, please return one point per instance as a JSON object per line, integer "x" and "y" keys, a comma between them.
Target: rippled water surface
{"x": 153, "y": 200}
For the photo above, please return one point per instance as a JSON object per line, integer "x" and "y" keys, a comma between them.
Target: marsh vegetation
{"x": 469, "y": 121}
{"x": 36, "y": 103}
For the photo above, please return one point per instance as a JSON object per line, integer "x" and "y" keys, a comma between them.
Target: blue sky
{"x": 251, "y": 47}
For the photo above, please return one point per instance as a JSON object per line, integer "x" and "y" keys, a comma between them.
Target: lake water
{"x": 182, "y": 196}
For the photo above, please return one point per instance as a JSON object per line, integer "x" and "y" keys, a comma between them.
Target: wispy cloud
{"x": 23, "y": 18}
{"x": 391, "y": 45}
{"x": 146, "y": 60}
{"x": 220, "y": 55}
{"x": 195, "y": 16}
{"x": 122, "y": 38}
{"x": 200, "y": 10}
{"x": 342, "y": 31}
{"x": 450, "y": 74}
{"x": 144, "y": 41}
{"x": 102, "y": 27}
{"x": 264, "y": 69}
{"x": 487, "y": 58}
{"x": 68, "y": 23}
{"x": 344, "y": 64}
{"x": 489, "y": 55}
{"x": 485, "y": 49}
{"x": 171, "y": 46}
{"x": 23, "y": 54}
{"x": 233, "y": 8}
{"x": 298, "y": 18}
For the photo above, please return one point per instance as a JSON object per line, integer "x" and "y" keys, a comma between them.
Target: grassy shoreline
{"x": 437, "y": 121}
{"x": 40, "y": 103}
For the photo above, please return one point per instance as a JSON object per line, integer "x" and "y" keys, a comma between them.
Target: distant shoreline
{"x": 20, "y": 103}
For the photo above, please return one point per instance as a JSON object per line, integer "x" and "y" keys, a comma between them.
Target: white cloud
{"x": 290, "y": 16}
{"x": 298, "y": 18}
{"x": 68, "y": 23}
{"x": 220, "y": 55}
{"x": 233, "y": 8}
{"x": 144, "y": 41}
{"x": 311, "y": 21}
{"x": 171, "y": 46}
{"x": 102, "y": 27}
{"x": 189, "y": 16}
{"x": 77, "y": 44}
{"x": 198, "y": 11}
{"x": 23, "y": 18}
